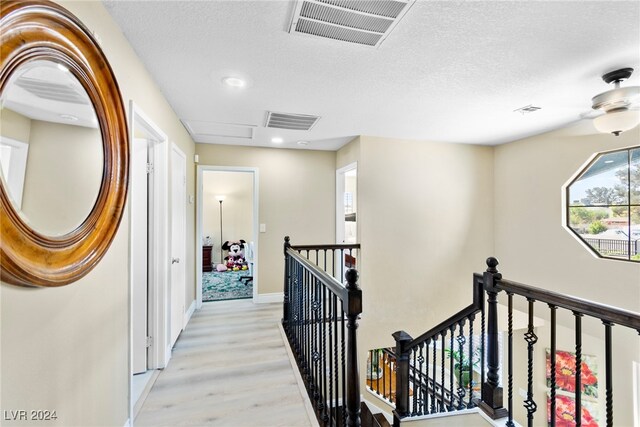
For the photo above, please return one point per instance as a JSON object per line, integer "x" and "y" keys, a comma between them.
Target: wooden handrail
{"x": 604, "y": 312}
{"x": 326, "y": 247}
{"x": 331, "y": 283}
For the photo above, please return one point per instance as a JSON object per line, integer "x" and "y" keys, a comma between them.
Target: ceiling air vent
{"x": 53, "y": 91}
{"x": 355, "y": 21}
{"x": 290, "y": 121}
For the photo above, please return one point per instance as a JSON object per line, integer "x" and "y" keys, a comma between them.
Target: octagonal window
{"x": 603, "y": 204}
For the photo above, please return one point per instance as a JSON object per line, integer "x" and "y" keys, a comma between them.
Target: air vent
{"x": 53, "y": 91}
{"x": 290, "y": 121}
{"x": 527, "y": 109}
{"x": 355, "y": 21}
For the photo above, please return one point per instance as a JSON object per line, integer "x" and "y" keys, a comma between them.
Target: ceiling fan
{"x": 619, "y": 105}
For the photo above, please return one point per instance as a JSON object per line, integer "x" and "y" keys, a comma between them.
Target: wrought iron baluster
{"x": 451, "y": 348}
{"x": 433, "y": 383}
{"x": 470, "y": 403}
{"x": 510, "y": 356}
{"x": 344, "y": 364}
{"x": 384, "y": 374}
{"x": 578, "y": 331}
{"x": 315, "y": 353}
{"x": 425, "y": 409}
{"x": 336, "y": 403}
{"x": 332, "y": 345}
{"x": 552, "y": 365}
{"x": 531, "y": 338}
{"x": 416, "y": 382}
{"x": 608, "y": 372}
{"x": 443, "y": 403}
{"x": 323, "y": 369}
{"x": 461, "y": 341}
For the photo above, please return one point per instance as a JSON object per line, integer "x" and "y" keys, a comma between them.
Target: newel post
{"x": 354, "y": 308}
{"x": 287, "y": 280}
{"x": 491, "y": 393}
{"x": 402, "y": 376}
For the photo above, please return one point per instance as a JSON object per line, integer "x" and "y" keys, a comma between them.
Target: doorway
{"x": 148, "y": 253}
{"x": 347, "y": 211}
{"x": 227, "y": 223}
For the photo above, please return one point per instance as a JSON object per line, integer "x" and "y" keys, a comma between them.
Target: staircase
{"x": 424, "y": 377}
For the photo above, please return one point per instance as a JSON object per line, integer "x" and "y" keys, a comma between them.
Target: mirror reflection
{"x": 51, "y": 152}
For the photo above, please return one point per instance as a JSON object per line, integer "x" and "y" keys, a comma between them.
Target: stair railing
{"x": 410, "y": 357}
{"x": 320, "y": 321}
{"x": 423, "y": 385}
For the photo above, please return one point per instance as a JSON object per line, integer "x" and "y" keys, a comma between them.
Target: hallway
{"x": 229, "y": 368}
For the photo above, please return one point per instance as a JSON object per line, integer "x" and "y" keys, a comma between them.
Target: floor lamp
{"x": 220, "y": 199}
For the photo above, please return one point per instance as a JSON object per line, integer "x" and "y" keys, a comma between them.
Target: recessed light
{"x": 234, "y": 82}
{"x": 303, "y": 142}
{"x": 608, "y": 161}
{"x": 69, "y": 117}
{"x": 277, "y": 140}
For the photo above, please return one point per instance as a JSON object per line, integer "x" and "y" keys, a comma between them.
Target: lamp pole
{"x": 220, "y": 200}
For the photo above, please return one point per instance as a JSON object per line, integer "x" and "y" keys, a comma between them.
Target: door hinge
{"x": 149, "y": 342}
{"x": 149, "y": 168}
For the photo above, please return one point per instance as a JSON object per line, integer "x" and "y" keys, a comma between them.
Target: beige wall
{"x": 425, "y": 214}
{"x": 296, "y": 198}
{"x": 237, "y": 213}
{"x": 67, "y": 348}
{"x": 534, "y": 248}
{"x": 14, "y": 125}
{"x": 63, "y": 176}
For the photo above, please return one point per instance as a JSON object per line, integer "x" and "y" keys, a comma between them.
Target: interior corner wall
{"x": 425, "y": 212}
{"x": 66, "y": 349}
{"x": 296, "y": 198}
{"x": 534, "y": 248}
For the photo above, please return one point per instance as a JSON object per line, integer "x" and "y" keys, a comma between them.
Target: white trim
{"x": 255, "y": 235}
{"x": 189, "y": 313}
{"x": 158, "y": 323}
{"x": 269, "y": 298}
{"x": 127, "y": 423}
{"x": 17, "y": 170}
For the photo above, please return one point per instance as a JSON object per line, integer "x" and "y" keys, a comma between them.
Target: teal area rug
{"x": 226, "y": 285}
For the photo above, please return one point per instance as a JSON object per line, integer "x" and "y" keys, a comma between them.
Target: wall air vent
{"x": 290, "y": 121}
{"x": 355, "y": 21}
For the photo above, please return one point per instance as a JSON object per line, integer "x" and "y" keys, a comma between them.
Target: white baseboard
{"x": 189, "y": 313}
{"x": 269, "y": 298}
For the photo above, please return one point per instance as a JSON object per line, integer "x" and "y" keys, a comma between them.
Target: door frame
{"x": 340, "y": 184}
{"x": 183, "y": 246}
{"x": 158, "y": 322}
{"x": 199, "y": 206}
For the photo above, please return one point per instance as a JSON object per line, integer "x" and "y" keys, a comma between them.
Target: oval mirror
{"x": 64, "y": 151}
{"x": 50, "y": 147}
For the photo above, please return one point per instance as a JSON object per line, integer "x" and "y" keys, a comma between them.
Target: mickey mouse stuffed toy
{"x": 235, "y": 258}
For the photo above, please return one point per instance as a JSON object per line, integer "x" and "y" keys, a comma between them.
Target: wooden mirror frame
{"x": 41, "y": 30}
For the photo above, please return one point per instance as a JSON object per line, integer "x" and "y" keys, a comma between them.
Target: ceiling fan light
{"x": 617, "y": 121}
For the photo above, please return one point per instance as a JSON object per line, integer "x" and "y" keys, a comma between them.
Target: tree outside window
{"x": 603, "y": 204}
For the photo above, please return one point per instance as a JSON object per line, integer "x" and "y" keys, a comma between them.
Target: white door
{"x": 139, "y": 252}
{"x": 178, "y": 240}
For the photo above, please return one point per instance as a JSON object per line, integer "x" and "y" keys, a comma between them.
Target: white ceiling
{"x": 450, "y": 71}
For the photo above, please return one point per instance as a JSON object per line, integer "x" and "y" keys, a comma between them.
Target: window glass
{"x": 603, "y": 204}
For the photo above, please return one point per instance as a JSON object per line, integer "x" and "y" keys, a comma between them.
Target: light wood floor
{"x": 229, "y": 368}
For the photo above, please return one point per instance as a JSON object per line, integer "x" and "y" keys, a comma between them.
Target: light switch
{"x": 263, "y": 228}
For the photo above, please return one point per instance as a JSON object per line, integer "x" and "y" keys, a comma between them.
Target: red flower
{"x": 565, "y": 413}
{"x": 566, "y": 372}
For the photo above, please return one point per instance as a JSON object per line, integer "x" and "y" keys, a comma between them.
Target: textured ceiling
{"x": 450, "y": 71}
